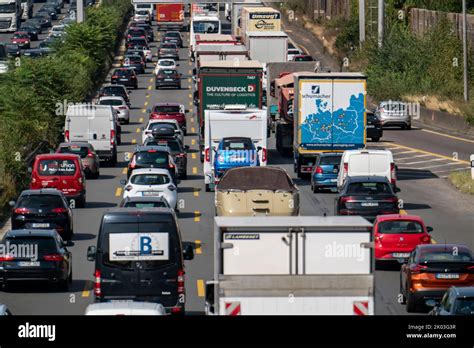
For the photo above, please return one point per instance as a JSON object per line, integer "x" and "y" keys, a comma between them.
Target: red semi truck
{"x": 170, "y": 16}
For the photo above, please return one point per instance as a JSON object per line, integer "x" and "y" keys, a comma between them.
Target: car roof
{"x": 325, "y": 154}
{"x": 48, "y": 191}
{"x": 31, "y": 233}
{"x": 56, "y": 155}
{"x": 374, "y": 178}
{"x": 77, "y": 143}
{"x": 145, "y": 199}
{"x": 463, "y": 291}
{"x": 167, "y": 104}
{"x": 391, "y": 217}
{"x": 443, "y": 247}
{"x": 138, "y": 211}
{"x": 150, "y": 171}
{"x": 113, "y": 97}
{"x": 163, "y": 121}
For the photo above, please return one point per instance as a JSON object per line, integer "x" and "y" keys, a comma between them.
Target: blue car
{"x": 234, "y": 152}
{"x": 325, "y": 171}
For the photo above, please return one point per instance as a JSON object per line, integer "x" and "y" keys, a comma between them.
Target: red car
{"x": 63, "y": 172}
{"x": 396, "y": 235}
{"x": 22, "y": 39}
{"x": 169, "y": 111}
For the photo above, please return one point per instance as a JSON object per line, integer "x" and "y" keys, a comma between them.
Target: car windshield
{"x": 237, "y": 144}
{"x": 464, "y": 306}
{"x": 137, "y": 41}
{"x": 21, "y": 36}
{"x": 113, "y": 102}
{"x": 368, "y": 188}
{"x": 156, "y": 204}
{"x": 142, "y": 13}
{"x": 400, "y": 226}
{"x": 172, "y": 34}
{"x": 82, "y": 151}
{"x": 167, "y": 63}
{"x": 40, "y": 201}
{"x": 123, "y": 73}
{"x": 161, "y": 125}
{"x": 166, "y": 108}
{"x": 330, "y": 160}
{"x": 113, "y": 90}
{"x": 206, "y": 27}
{"x": 7, "y": 8}
{"x": 57, "y": 167}
{"x": 133, "y": 59}
{"x": 151, "y": 157}
{"x": 445, "y": 256}
{"x": 43, "y": 245}
{"x": 150, "y": 179}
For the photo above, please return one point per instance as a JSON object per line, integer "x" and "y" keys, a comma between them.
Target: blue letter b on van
{"x": 145, "y": 245}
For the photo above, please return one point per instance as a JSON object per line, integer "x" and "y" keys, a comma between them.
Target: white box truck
{"x": 10, "y": 15}
{"x": 234, "y": 121}
{"x": 236, "y": 14}
{"x": 306, "y": 265}
{"x": 267, "y": 47}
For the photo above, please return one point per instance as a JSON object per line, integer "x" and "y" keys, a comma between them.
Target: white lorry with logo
{"x": 10, "y": 15}
{"x": 305, "y": 265}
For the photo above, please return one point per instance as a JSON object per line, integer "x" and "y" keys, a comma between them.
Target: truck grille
{"x": 5, "y": 24}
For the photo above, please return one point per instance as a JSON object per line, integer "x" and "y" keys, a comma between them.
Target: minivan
{"x": 61, "y": 171}
{"x": 95, "y": 124}
{"x": 367, "y": 163}
{"x": 140, "y": 257}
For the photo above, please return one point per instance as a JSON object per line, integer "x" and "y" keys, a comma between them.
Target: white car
{"x": 119, "y": 104}
{"x": 147, "y": 131}
{"x": 165, "y": 63}
{"x": 57, "y": 30}
{"x": 149, "y": 182}
{"x": 142, "y": 15}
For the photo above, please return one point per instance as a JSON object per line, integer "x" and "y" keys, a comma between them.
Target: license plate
{"x": 447, "y": 276}
{"x": 123, "y": 80}
{"x": 370, "y": 126}
{"x": 39, "y": 225}
{"x": 28, "y": 263}
{"x": 400, "y": 255}
{"x": 168, "y": 79}
{"x": 370, "y": 204}
{"x": 151, "y": 193}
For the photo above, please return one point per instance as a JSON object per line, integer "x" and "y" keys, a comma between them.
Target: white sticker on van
{"x": 138, "y": 246}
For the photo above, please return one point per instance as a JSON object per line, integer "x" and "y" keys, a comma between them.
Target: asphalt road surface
{"x": 424, "y": 159}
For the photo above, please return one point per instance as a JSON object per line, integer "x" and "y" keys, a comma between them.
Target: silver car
{"x": 394, "y": 114}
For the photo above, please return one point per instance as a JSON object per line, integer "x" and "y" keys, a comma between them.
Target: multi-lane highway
{"x": 424, "y": 159}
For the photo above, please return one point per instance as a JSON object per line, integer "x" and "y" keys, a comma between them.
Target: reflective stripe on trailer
{"x": 232, "y": 308}
{"x": 361, "y": 307}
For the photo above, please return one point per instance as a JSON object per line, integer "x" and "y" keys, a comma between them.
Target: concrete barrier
{"x": 444, "y": 121}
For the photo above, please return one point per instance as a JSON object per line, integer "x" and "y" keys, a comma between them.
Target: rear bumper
{"x": 421, "y": 295}
{"x": 105, "y": 154}
{"x": 168, "y": 304}
{"x": 374, "y": 132}
{"x": 167, "y": 84}
{"x": 324, "y": 181}
{"x": 395, "y": 122}
{"x": 24, "y": 275}
{"x": 368, "y": 215}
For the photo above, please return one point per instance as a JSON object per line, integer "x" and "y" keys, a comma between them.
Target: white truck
{"x": 212, "y": 52}
{"x": 234, "y": 121}
{"x": 236, "y": 14}
{"x": 267, "y": 47}
{"x": 203, "y": 24}
{"x": 10, "y": 15}
{"x": 295, "y": 265}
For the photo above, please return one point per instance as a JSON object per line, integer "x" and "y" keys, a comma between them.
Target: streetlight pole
{"x": 361, "y": 21}
{"x": 80, "y": 11}
{"x": 381, "y": 11}
{"x": 464, "y": 46}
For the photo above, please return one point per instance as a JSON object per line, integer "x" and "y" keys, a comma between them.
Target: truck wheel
{"x": 376, "y": 139}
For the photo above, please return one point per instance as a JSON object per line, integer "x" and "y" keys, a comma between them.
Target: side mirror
{"x": 186, "y": 147}
{"x": 397, "y": 189}
{"x": 259, "y": 148}
{"x": 186, "y": 111}
{"x": 177, "y": 64}
{"x": 148, "y": 110}
{"x": 11, "y": 203}
{"x": 188, "y": 251}
{"x": 91, "y": 252}
{"x": 429, "y": 229}
{"x": 123, "y": 181}
{"x": 430, "y": 303}
{"x": 180, "y": 75}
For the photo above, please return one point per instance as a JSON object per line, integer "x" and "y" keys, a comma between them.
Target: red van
{"x": 63, "y": 172}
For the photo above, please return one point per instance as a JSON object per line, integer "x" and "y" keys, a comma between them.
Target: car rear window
{"x": 167, "y": 46}
{"x": 368, "y": 188}
{"x": 241, "y": 144}
{"x": 445, "y": 256}
{"x": 151, "y": 157}
{"x": 44, "y": 245}
{"x": 464, "y": 306}
{"x": 123, "y": 73}
{"x": 57, "y": 167}
{"x": 162, "y": 125}
{"x": 167, "y": 63}
{"x": 399, "y": 226}
{"x": 113, "y": 90}
{"x": 82, "y": 151}
{"x": 40, "y": 201}
{"x": 150, "y": 179}
{"x": 140, "y": 205}
{"x": 172, "y": 144}
{"x": 167, "y": 108}
{"x": 113, "y": 102}
{"x": 330, "y": 160}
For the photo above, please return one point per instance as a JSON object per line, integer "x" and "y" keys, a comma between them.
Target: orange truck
{"x": 170, "y": 16}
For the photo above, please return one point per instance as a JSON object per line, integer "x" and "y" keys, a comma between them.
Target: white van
{"x": 367, "y": 163}
{"x": 95, "y": 124}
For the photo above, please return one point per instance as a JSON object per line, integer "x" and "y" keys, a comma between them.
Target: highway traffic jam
{"x": 222, "y": 170}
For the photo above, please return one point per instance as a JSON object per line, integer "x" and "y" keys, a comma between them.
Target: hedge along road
{"x": 441, "y": 206}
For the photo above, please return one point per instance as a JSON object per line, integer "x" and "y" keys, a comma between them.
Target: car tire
{"x": 185, "y": 175}
{"x": 410, "y": 303}
{"x": 179, "y": 86}
{"x": 314, "y": 188}
{"x": 208, "y": 189}
{"x": 96, "y": 175}
{"x": 408, "y": 127}
{"x": 376, "y": 139}
{"x": 81, "y": 202}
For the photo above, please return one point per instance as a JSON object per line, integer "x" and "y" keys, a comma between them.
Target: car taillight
{"x": 59, "y": 210}
{"x": 419, "y": 269}
{"x": 393, "y": 178}
{"x": 181, "y": 155}
{"x": 97, "y": 282}
{"x": 128, "y": 187}
{"x": 470, "y": 268}
{"x": 346, "y": 170}
{"x": 207, "y": 155}
{"x": 181, "y": 282}
{"x": 425, "y": 239}
{"x": 319, "y": 170}
{"x": 115, "y": 77}
{"x": 123, "y": 107}
{"x": 112, "y": 137}
{"x": 378, "y": 238}
{"x": 22, "y": 211}
{"x": 80, "y": 181}
{"x": 391, "y": 200}
{"x": 66, "y": 136}
{"x": 176, "y": 309}
{"x": 53, "y": 257}
{"x": 6, "y": 258}
{"x": 346, "y": 199}
{"x": 171, "y": 166}
{"x": 264, "y": 155}
{"x": 90, "y": 154}
{"x": 161, "y": 76}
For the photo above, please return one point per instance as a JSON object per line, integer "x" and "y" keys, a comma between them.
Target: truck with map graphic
{"x": 329, "y": 115}
{"x": 222, "y": 83}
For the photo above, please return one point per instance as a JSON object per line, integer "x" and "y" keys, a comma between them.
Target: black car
{"x": 50, "y": 10}
{"x": 168, "y": 50}
{"x": 456, "y": 301}
{"x": 35, "y": 23}
{"x": 57, "y": 4}
{"x": 134, "y": 61}
{"x": 173, "y": 37}
{"x": 45, "y": 19}
{"x": 33, "y": 53}
{"x": 136, "y": 50}
{"x": 134, "y": 41}
{"x": 136, "y": 32}
{"x": 151, "y": 157}
{"x": 129, "y": 232}
{"x": 115, "y": 90}
{"x": 125, "y": 76}
{"x": 44, "y": 257}
{"x": 144, "y": 202}
{"x": 374, "y": 127}
{"x": 168, "y": 78}
{"x": 43, "y": 209}
{"x": 32, "y": 31}
{"x": 148, "y": 29}
{"x": 12, "y": 50}
{"x": 367, "y": 196}
{"x": 177, "y": 151}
